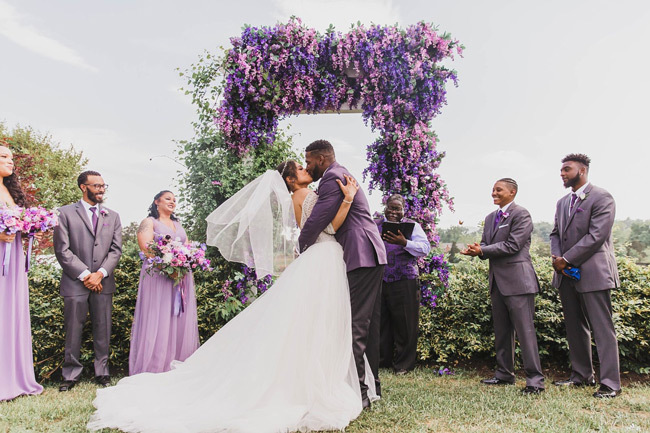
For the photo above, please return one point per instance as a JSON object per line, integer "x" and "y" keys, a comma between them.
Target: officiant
{"x": 405, "y": 241}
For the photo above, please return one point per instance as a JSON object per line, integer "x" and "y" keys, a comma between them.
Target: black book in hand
{"x": 405, "y": 228}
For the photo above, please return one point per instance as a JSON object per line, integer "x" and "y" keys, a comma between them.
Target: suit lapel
{"x": 100, "y": 220}
{"x": 576, "y": 206}
{"x": 508, "y": 211}
{"x": 81, "y": 211}
{"x": 491, "y": 230}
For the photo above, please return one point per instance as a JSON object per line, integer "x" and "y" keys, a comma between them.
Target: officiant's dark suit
{"x": 582, "y": 238}
{"x": 363, "y": 252}
{"x": 88, "y": 246}
{"x": 513, "y": 284}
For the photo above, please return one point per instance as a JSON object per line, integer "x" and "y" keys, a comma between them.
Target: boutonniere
{"x": 505, "y": 215}
{"x": 104, "y": 212}
{"x": 582, "y": 196}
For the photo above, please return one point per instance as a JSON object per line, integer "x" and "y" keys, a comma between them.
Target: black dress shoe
{"x": 496, "y": 381}
{"x": 606, "y": 392}
{"x": 532, "y": 390}
{"x": 569, "y": 382}
{"x": 401, "y": 372}
{"x": 103, "y": 380}
{"x": 67, "y": 385}
{"x": 366, "y": 403}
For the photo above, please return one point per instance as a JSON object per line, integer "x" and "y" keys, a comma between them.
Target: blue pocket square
{"x": 573, "y": 273}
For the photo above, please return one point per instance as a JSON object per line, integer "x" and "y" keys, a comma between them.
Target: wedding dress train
{"x": 283, "y": 364}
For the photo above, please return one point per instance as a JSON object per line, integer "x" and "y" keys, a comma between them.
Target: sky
{"x": 538, "y": 80}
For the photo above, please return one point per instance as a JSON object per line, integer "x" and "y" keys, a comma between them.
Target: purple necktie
{"x": 574, "y": 198}
{"x": 498, "y": 218}
{"x": 95, "y": 218}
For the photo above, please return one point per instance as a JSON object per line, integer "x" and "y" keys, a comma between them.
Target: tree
{"x": 47, "y": 171}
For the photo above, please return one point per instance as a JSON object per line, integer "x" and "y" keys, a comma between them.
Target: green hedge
{"x": 458, "y": 329}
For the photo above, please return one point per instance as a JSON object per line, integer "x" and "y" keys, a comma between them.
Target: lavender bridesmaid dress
{"x": 159, "y": 337}
{"x": 16, "y": 358}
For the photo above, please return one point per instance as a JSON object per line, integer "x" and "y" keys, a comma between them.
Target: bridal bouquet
{"x": 174, "y": 258}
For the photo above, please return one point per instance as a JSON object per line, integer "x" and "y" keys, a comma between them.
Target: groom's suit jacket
{"x": 358, "y": 235}
{"x": 507, "y": 246}
{"x": 77, "y": 248}
{"x": 584, "y": 239}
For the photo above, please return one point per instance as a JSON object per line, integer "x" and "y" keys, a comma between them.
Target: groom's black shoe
{"x": 366, "y": 403}
{"x": 496, "y": 381}
{"x": 103, "y": 380}
{"x": 67, "y": 385}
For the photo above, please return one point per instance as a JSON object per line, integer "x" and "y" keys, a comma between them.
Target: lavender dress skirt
{"x": 158, "y": 336}
{"x": 16, "y": 358}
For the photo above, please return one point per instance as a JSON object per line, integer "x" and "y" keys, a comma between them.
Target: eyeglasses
{"x": 98, "y": 185}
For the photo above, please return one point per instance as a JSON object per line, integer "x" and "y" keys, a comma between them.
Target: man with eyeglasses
{"x": 88, "y": 245}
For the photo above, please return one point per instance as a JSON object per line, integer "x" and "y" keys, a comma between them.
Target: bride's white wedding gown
{"x": 283, "y": 364}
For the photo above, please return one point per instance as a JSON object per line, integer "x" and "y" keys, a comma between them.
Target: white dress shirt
{"x": 87, "y": 207}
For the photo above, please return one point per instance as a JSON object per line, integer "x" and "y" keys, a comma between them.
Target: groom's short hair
{"x": 320, "y": 146}
{"x": 83, "y": 177}
{"x": 510, "y": 182}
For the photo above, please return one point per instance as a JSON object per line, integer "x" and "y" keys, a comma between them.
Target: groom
{"x": 363, "y": 252}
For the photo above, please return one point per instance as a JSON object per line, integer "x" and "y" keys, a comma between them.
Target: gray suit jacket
{"x": 77, "y": 248}
{"x": 358, "y": 235}
{"x": 508, "y": 247}
{"x": 584, "y": 239}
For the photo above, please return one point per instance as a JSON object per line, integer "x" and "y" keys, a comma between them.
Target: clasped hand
{"x": 559, "y": 264}
{"x": 93, "y": 281}
{"x": 472, "y": 250}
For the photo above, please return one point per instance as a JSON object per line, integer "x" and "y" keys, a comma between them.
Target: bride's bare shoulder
{"x": 299, "y": 195}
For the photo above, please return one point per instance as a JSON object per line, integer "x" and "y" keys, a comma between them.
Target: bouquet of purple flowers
{"x": 27, "y": 220}
{"x": 175, "y": 259}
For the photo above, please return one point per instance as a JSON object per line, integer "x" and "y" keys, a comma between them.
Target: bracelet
{"x": 348, "y": 202}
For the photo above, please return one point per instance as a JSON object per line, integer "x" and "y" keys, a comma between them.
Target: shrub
{"x": 460, "y": 328}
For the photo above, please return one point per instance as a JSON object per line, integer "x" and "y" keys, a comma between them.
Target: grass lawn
{"x": 418, "y": 402}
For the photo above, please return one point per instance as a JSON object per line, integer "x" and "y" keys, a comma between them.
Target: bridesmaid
{"x": 16, "y": 358}
{"x": 158, "y": 336}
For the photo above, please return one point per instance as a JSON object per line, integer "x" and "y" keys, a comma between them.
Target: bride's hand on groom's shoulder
{"x": 350, "y": 188}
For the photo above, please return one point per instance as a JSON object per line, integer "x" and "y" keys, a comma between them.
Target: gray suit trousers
{"x": 75, "y": 313}
{"x": 515, "y": 314}
{"x": 584, "y": 314}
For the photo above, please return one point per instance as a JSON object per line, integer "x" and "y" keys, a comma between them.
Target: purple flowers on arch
{"x": 399, "y": 84}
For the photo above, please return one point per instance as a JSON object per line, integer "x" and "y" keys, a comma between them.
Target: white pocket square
{"x": 504, "y": 225}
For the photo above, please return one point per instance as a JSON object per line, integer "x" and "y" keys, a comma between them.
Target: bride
{"x": 283, "y": 364}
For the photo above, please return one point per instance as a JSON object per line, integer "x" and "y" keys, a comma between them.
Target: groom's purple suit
{"x": 364, "y": 255}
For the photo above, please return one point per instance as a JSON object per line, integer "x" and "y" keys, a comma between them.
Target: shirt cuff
{"x": 103, "y": 271}
{"x": 83, "y": 274}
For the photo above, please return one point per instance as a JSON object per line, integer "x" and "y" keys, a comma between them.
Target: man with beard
{"x": 363, "y": 252}
{"x": 88, "y": 246}
{"x": 585, "y": 273}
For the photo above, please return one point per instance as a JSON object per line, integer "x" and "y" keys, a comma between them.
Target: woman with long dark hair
{"x": 162, "y": 332}
{"x": 16, "y": 357}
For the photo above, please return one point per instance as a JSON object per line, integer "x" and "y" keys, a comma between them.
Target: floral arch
{"x": 392, "y": 75}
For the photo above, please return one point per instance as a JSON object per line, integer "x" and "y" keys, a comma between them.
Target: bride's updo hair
{"x": 286, "y": 169}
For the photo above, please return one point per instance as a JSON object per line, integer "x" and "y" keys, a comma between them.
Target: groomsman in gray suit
{"x": 88, "y": 245}
{"x": 513, "y": 285}
{"x": 582, "y": 238}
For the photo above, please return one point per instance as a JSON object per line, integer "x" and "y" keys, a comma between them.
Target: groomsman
{"x": 513, "y": 285}
{"x": 582, "y": 238}
{"x": 88, "y": 245}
